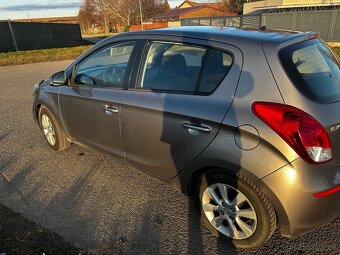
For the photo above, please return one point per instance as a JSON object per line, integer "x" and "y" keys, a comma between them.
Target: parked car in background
{"x": 247, "y": 122}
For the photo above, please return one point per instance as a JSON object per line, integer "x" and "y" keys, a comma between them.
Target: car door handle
{"x": 200, "y": 128}
{"x": 110, "y": 109}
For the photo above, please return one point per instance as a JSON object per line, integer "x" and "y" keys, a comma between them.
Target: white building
{"x": 256, "y": 6}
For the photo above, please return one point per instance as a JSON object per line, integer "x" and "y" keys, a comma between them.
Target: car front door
{"x": 175, "y": 107}
{"x": 91, "y": 105}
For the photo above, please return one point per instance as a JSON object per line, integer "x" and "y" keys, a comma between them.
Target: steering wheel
{"x": 113, "y": 76}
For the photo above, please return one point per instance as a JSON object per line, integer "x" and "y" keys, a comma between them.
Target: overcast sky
{"x": 23, "y": 9}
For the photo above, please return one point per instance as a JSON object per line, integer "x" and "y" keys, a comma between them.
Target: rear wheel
{"x": 54, "y": 135}
{"x": 235, "y": 210}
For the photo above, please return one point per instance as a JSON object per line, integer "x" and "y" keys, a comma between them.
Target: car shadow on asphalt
{"x": 13, "y": 181}
{"x": 195, "y": 245}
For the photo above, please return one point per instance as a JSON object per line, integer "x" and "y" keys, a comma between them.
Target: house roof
{"x": 217, "y": 5}
{"x": 179, "y": 11}
{"x": 192, "y": 3}
{"x": 182, "y": 11}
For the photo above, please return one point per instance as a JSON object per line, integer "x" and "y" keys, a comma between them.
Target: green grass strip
{"x": 36, "y": 56}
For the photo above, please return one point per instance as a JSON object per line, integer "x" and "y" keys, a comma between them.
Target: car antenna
{"x": 263, "y": 28}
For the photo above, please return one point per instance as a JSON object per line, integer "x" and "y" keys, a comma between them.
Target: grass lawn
{"x": 337, "y": 51}
{"x": 36, "y": 56}
{"x": 48, "y": 55}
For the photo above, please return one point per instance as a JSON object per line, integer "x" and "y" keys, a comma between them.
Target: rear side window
{"x": 313, "y": 69}
{"x": 183, "y": 68}
{"x": 216, "y": 66}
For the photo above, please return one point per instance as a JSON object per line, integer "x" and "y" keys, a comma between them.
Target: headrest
{"x": 173, "y": 65}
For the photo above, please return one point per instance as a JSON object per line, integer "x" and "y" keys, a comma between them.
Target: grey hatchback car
{"x": 247, "y": 122}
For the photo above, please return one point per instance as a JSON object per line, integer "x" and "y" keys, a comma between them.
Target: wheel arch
{"x": 193, "y": 176}
{"x": 36, "y": 114}
{"x": 57, "y": 117}
{"x": 237, "y": 179}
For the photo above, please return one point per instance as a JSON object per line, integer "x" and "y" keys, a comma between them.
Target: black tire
{"x": 61, "y": 141}
{"x": 265, "y": 213}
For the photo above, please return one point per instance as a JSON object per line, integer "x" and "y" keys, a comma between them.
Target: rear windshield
{"x": 313, "y": 69}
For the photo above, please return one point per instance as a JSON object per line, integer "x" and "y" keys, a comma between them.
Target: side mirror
{"x": 58, "y": 79}
{"x": 85, "y": 80}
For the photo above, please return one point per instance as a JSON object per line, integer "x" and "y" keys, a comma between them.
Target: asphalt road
{"x": 99, "y": 204}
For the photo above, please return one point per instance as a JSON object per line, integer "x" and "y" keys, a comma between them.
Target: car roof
{"x": 225, "y": 34}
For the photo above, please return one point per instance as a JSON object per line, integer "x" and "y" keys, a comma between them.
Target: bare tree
{"x": 235, "y": 5}
{"x": 122, "y": 12}
{"x": 87, "y": 16}
{"x": 151, "y": 7}
{"x": 166, "y": 6}
{"x": 104, "y": 12}
{"x": 116, "y": 9}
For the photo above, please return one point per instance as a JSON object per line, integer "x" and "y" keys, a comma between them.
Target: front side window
{"x": 105, "y": 68}
{"x": 183, "y": 68}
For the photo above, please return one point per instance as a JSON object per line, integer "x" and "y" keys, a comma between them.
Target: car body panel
{"x": 256, "y": 142}
{"x": 292, "y": 188}
{"x": 87, "y": 122}
{"x": 327, "y": 114}
{"x": 47, "y": 95}
{"x": 153, "y": 135}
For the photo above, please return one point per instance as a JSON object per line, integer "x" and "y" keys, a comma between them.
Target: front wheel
{"x": 235, "y": 210}
{"x": 54, "y": 135}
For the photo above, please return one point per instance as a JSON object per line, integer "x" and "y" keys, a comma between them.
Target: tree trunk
{"x": 105, "y": 24}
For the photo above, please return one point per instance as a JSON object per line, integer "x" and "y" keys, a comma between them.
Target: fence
{"x": 227, "y": 21}
{"x": 148, "y": 26}
{"x": 30, "y": 36}
{"x": 325, "y": 22}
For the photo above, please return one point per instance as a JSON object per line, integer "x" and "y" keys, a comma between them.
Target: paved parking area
{"x": 99, "y": 204}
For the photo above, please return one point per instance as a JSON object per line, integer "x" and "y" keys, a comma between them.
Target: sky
{"x": 23, "y": 9}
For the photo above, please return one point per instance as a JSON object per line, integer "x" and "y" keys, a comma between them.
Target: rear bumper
{"x": 292, "y": 190}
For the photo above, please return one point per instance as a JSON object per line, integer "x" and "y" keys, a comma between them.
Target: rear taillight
{"x": 327, "y": 192}
{"x": 304, "y": 134}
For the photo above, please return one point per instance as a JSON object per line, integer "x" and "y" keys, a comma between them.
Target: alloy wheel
{"x": 229, "y": 211}
{"x": 48, "y": 129}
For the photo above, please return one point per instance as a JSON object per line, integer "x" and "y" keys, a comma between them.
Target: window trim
{"x": 134, "y": 42}
{"x": 143, "y": 55}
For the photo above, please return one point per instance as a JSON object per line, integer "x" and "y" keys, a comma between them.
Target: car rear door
{"x": 175, "y": 105}
{"x": 90, "y": 106}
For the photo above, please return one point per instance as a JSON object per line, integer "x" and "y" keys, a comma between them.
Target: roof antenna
{"x": 263, "y": 28}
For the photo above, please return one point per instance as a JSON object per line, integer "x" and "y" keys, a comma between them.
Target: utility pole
{"x": 12, "y": 34}
{"x": 141, "y": 15}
